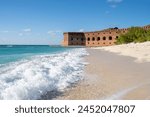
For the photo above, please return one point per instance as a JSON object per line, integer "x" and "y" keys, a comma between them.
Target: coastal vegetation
{"x": 134, "y": 34}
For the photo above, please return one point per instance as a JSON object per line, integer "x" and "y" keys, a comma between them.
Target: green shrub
{"x": 148, "y": 35}
{"x": 134, "y": 34}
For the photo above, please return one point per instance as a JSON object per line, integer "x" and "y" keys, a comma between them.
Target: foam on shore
{"x": 111, "y": 76}
{"x": 31, "y": 78}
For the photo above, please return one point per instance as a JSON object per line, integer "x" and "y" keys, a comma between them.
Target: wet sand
{"x": 111, "y": 76}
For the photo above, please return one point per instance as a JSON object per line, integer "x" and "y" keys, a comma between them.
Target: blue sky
{"x": 44, "y": 21}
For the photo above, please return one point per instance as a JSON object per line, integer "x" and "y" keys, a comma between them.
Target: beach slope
{"x": 110, "y": 75}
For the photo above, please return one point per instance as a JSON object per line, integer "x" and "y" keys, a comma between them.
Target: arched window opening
{"x": 88, "y": 39}
{"x": 110, "y": 37}
{"x": 98, "y": 38}
{"x": 104, "y": 38}
{"x": 93, "y": 39}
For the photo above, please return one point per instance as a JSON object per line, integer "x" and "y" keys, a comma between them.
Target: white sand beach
{"x": 115, "y": 72}
{"x": 140, "y": 51}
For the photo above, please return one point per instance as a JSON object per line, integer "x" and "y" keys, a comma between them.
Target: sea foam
{"x": 31, "y": 78}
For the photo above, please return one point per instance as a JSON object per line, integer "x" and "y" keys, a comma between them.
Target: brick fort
{"x": 105, "y": 37}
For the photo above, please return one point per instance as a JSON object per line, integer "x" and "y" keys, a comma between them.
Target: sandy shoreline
{"x": 140, "y": 51}
{"x": 111, "y": 76}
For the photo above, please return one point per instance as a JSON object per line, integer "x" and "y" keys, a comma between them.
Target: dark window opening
{"x": 104, "y": 38}
{"x": 93, "y": 39}
{"x": 82, "y": 39}
{"x": 77, "y": 38}
{"x": 71, "y": 39}
{"x": 88, "y": 39}
{"x": 98, "y": 38}
{"x": 116, "y": 37}
{"x": 110, "y": 38}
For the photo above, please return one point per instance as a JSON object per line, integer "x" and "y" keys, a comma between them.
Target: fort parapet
{"x": 105, "y": 37}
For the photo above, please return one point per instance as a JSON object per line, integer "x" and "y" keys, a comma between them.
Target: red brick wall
{"x": 106, "y": 37}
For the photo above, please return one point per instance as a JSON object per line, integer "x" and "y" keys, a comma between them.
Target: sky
{"x": 42, "y": 22}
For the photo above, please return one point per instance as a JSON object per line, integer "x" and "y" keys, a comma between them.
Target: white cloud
{"x": 114, "y": 1}
{"x": 81, "y": 30}
{"x": 57, "y": 31}
{"x": 27, "y": 30}
{"x": 20, "y": 34}
{"x": 113, "y": 6}
{"x": 54, "y": 34}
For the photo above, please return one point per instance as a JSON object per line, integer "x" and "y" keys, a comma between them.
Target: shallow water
{"x": 28, "y": 72}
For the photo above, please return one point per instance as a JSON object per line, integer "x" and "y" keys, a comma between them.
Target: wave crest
{"x": 29, "y": 79}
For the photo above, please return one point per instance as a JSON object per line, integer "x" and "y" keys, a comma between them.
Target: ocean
{"x": 30, "y": 72}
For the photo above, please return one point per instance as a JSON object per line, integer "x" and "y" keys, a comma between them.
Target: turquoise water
{"x": 29, "y": 72}
{"x": 11, "y": 53}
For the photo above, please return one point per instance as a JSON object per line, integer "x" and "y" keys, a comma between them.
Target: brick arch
{"x": 104, "y": 38}
{"x": 98, "y": 38}
{"x": 110, "y": 37}
{"x": 93, "y": 39}
{"x": 88, "y": 39}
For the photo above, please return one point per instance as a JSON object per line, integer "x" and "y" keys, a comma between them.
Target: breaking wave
{"x": 31, "y": 78}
